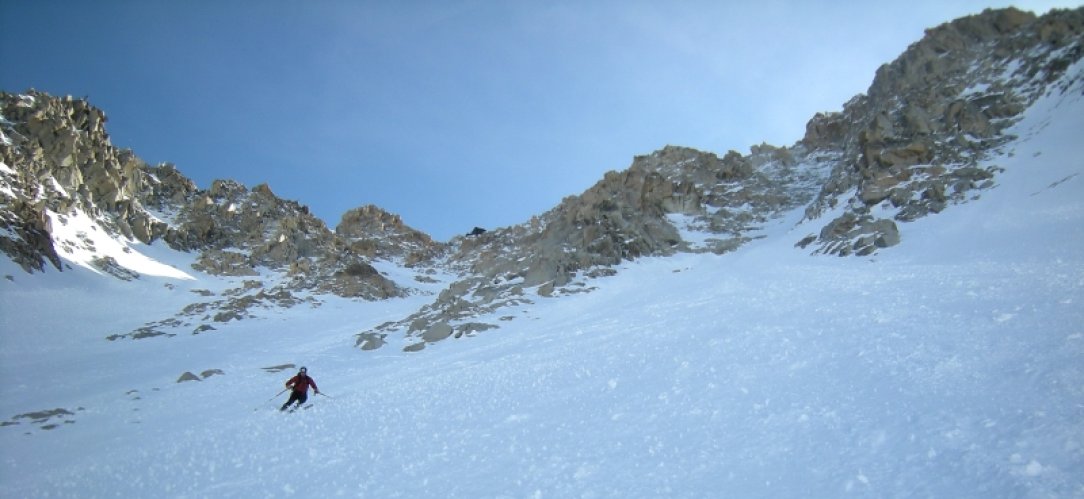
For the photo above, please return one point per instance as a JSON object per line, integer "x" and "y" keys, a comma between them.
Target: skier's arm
{"x": 292, "y": 381}
{"x": 314, "y": 388}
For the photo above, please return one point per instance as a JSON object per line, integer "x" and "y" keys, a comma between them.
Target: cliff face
{"x": 57, "y": 158}
{"x": 910, "y": 147}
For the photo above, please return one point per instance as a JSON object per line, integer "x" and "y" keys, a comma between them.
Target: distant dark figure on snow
{"x": 299, "y": 386}
{"x": 477, "y": 231}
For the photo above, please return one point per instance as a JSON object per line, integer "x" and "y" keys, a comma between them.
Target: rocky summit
{"x": 912, "y": 146}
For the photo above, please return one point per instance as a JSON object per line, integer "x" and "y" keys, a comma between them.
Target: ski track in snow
{"x": 949, "y": 366}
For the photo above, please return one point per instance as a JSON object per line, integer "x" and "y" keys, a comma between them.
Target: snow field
{"x": 773, "y": 379}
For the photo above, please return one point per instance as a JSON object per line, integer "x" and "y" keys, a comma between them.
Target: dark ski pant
{"x": 299, "y": 397}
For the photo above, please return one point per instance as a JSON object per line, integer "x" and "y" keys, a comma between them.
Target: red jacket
{"x": 301, "y": 383}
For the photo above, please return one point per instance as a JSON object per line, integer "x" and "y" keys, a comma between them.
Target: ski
{"x": 303, "y": 407}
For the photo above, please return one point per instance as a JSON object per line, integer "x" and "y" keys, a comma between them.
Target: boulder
{"x": 370, "y": 341}
{"x": 437, "y": 332}
{"x": 188, "y": 376}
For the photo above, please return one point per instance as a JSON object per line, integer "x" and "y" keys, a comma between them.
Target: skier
{"x": 300, "y": 388}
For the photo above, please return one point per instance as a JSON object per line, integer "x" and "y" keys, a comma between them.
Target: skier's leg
{"x": 293, "y": 397}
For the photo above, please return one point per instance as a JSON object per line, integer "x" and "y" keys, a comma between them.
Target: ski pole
{"x": 328, "y": 396}
{"x": 277, "y": 394}
{"x": 273, "y": 398}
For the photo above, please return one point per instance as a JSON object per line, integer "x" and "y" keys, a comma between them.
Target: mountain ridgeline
{"x": 911, "y": 147}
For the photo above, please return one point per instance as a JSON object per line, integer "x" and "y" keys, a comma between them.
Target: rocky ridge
{"x": 650, "y": 209}
{"x": 58, "y": 164}
{"x": 908, "y": 148}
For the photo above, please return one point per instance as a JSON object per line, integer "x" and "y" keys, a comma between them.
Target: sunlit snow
{"x": 82, "y": 241}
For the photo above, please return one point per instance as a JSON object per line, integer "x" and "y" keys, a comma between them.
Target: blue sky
{"x": 453, "y": 114}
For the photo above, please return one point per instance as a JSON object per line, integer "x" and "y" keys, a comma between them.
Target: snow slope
{"x": 951, "y": 365}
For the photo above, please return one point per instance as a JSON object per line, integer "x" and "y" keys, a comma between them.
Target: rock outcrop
{"x": 57, "y": 158}
{"x": 375, "y": 233}
{"x": 913, "y": 143}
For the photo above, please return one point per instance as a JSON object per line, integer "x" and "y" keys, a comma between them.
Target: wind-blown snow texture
{"x": 949, "y": 366}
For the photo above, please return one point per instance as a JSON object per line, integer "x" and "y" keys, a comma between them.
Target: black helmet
{"x": 303, "y": 370}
